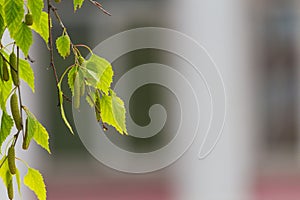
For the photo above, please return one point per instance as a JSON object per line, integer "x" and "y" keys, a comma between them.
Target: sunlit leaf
{"x": 37, "y": 131}
{"x": 23, "y": 38}
{"x": 63, "y": 45}
{"x": 36, "y": 8}
{"x": 26, "y": 73}
{"x": 5, "y": 89}
{"x": 2, "y": 24}
{"x": 34, "y": 181}
{"x": 13, "y": 15}
{"x": 41, "y": 27}
{"x": 6, "y": 126}
{"x": 77, "y": 4}
{"x": 4, "y": 171}
{"x": 99, "y": 73}
{"x": 113, "y": 112}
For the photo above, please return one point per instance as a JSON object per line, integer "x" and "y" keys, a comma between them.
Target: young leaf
{"x": 14, "y": 12}
{"x": 71, "y": 78}
{"x": 77, "y": 4}
{"x": 4, "y": 171}
{"x": 23, "y": 38}
{"x": 62, "y": 111}
{"x": 113, "y": 112}
{"x": 63, "y": 45}
{"x": 37, "y": 131}
{"x": 101, "y": 70}
{"x": 41, "y": 27}
{"x": 36, "y": 8}
{"x": 18, "y": 178}
{"x": 6, "y": 126}
{"x": 34, "y": 181}
{"x": 26, "y": 73}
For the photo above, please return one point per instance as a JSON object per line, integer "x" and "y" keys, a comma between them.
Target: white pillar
{"x": 221, "y": 27}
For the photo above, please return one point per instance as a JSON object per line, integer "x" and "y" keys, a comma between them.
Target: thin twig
{"x": 51, "y": 42}
{"x": 51, "y": 45}
{"x": 54, "y": 10}
{"x": 29, "y": 59}
{"x": 52, "y": 65}
{"x": 98, "y": 5}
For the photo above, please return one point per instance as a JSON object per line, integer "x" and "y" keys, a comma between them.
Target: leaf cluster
{"x": 88, "y": 79}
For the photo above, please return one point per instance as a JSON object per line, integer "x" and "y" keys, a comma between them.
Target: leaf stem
{"x": 23, "y": 161}
{"x": 85, "y": 46}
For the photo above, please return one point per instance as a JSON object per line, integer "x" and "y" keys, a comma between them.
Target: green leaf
{"x": 62, "y": 111}
{"x": 41, "y": 137}
{"x": 36, "y": 8}
{"x": 1, "y": 9}
{"x": 31, "y": 126}
{"x": 5, "y": 86}
{"x": 71, "y": 78}
{"x": 106, "y": 79}
{"x": 26, "y": 73}
{"x": 113, "y": 112}
{"x": 91, "y": 98}
{"x": 41, "y": 27}
{"x": 34, "y": 181}
{"x": 1, "y": 66}
{"x": 37, "y": 131}
{"x": 4, "y": 171}
{"x": 23, "y": 38}
{"x": 5, "y": 89}
{"x": 63, "y": 45}
{"x": 18, "y": 179}
{"x": 101, "y": 70}
{"x": 14, "y": 12}
{"x": 2, "y": 25}
{"x": 77, "y": 4}
{"x": 6, "y": 126}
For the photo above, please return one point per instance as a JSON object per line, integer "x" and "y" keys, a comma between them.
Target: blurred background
{"x": 256, "y": 45}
